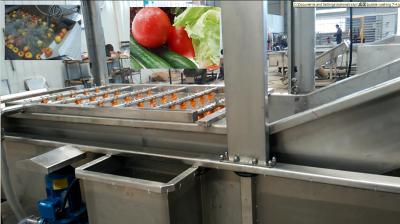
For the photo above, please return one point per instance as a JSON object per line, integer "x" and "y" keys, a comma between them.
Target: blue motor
{"x": 63, "y": 204}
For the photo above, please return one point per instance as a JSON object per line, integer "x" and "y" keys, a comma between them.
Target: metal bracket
{"x": 247, "y": 199}
{"x": 210, "y": 119}
{"x": 52, "y": 160}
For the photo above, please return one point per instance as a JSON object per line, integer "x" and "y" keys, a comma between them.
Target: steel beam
{"x": 245, "y": 63}
{"x": 398, "y": 22}
{"x": 354, "y": 133}
{"x": 303, "y": 40}
{"x": 372, "y": 182}
{"x": 95, "y": 41}
{"x": 290, "y": 41}
{"x": 247, "y": 199}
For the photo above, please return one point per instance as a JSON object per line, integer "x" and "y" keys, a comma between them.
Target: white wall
{"x": 275, "y": 23}
{"x": 110, "y": 24}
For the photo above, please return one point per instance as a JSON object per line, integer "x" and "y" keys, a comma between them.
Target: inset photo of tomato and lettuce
{"x": 42, "y": 32}
{"x": 175, "y": 37}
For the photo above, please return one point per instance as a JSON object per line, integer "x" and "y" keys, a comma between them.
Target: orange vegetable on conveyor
{"x": 28, "y": 55}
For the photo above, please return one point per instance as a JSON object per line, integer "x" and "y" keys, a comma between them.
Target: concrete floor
{"x": 275, "y": 81}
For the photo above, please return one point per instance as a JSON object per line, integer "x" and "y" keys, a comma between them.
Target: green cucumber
{"x": 176, "y": 60}
{"x": 147, "y": 58}
{"x": 135, "y": 65}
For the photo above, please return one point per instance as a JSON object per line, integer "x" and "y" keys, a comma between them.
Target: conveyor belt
{"x": 331, "y": 54}
{"x": 189, "y": 102}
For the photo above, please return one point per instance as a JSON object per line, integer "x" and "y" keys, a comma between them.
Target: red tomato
{"x": 150, "y": 27}
{"x": 180, "y": 42}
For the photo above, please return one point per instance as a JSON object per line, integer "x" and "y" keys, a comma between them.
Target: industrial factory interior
{"x": 200, "y": 112}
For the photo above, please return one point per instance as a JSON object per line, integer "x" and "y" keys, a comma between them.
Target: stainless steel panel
{"x": 111, "y": 112}
{"x": 372, "y": 56}
{"x": 220, "y": 192}
{"x": 284, "y": 194}
{"x": 122, "y": 137}
{"x": 11, "y": 109}
{"x": 144, "y": 189}
{"x": 312, "y": 174}
{"x": 28, "y": 186}
{"x": 281, "y": 106}
{"x": 353, "y": 100}
{"x": 53, "y": 160}
{"x": 357, "y": 134}
{"x": 117, "y": 204}
{"x": 248, "y": 200}
{"x": 287, "y": 201}
{"x": 304, "y": 49}
{"x": 219, "y": 127}
{"x": 86, "y": 173}
{"x": 245, "y": 62}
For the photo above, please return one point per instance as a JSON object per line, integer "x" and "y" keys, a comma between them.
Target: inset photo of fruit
{"x": 175, "y": 37}
{"x": 42, "y": 32}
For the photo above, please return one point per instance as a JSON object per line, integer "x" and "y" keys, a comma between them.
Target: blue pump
{"x": 63, "y": 204}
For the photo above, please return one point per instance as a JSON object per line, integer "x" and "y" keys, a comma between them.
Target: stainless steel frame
{"x": 245, "y": 85}
{"x": 145, "y": 102}
{"x": 53, "y": 160}
{"x": 146, "y": 185}
{"x": 95, "y": 41}
{"x": 281, "y": 106}
{"x": 360, "y": 197}
{"x": 303, "y": 58}
{"x": 336, "y": 161}
{"x": 356, "y": 132}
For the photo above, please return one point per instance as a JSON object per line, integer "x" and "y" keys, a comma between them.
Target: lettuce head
{"x": 203, "y": 26}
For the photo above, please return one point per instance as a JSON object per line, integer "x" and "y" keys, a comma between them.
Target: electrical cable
{"x": 351, "y": 42}
{"x": 65, "y": 199}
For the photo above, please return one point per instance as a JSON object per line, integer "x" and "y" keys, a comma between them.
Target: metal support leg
{"x": 398, "y": 22}
{"x": 95, "y": 41}
{"x": 247, "y": 199}
{"x": 290, "y": 29}
{"x": 245, "y": 61}
{"x": 303, "y": 42}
